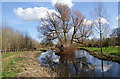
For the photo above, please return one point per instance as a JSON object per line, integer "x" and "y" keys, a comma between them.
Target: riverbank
{"x": 24, "y": 64}
{"x": 109, "y": 53}
{"x": 115, "y": 50}
{"x": 104, "y": 55}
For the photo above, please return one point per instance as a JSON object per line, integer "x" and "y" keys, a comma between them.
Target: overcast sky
{"x": 25, "y": 16}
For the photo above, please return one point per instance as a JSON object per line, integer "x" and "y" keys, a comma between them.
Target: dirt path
{"x": 9, "y": 58}
{"x": 30, "y": 67}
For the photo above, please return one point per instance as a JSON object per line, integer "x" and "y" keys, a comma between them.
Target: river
{"x": 82, "y": 64}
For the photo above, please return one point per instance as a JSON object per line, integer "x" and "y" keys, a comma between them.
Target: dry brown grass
{"x": 68, "y": 53}
{"x": 32, "y": 68}
{"x": 69, "y": 50}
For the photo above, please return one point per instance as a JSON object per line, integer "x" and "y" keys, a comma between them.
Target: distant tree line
{"x": 14, "y": 39}
{"x": 112, "y": 40}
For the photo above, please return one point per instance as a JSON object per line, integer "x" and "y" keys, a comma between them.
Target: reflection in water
{"x": 103, "y": 68}
{"x": 82, "y": 64}
{"x": 48, "y": 58}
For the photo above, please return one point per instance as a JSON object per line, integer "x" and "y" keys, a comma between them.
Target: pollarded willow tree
{"x": 65, "y": 25}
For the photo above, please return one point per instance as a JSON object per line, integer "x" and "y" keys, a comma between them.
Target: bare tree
{"x": 77, "y": 20}
{"x": 64, "y": 17}
{"x": 58, "y": 25}
{"x": 14, "y": 39}
{"x": 84, "y": 31}
{"x": 50, "y": 28}
{"x": 100, "y": 21}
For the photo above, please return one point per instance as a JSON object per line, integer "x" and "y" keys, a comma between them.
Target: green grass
{"x": 45, "y": 48}
{"x": 11, "y": 70}
{"x": 11, "y": 53}
{"x": 7, "y": 55}
{"x": 106, "y": 50}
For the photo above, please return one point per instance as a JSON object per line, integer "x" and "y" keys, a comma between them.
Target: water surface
{"x": 82, "y": 64}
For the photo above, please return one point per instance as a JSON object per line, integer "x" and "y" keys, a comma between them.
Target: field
{"x": 106, "y": 50}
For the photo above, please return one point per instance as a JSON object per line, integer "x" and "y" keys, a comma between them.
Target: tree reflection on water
{"x": 82, "y": 64}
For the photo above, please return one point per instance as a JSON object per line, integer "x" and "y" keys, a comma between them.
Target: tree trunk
{"x": 72, "y": 37}
{"x": 65, "y": 39}
{"x": 5, "y": 50}
{"x": 100, "y": 43}
{"x": 100, "y": 39}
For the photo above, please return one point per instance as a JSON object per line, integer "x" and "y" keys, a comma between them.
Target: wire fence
{"x": 15, "y": 50}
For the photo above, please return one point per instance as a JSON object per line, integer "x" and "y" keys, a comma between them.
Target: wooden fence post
{"x": 5, "y": 50}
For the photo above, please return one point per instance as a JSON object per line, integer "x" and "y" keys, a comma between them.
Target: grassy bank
{"x": 12, "y": 53}
{"x": 9, "y": 61}
{"x": 106, "y": 50}
{"x": 109, "y": 53}
{"x": 11, "y": 70}
{"x": 24, "y": 64}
